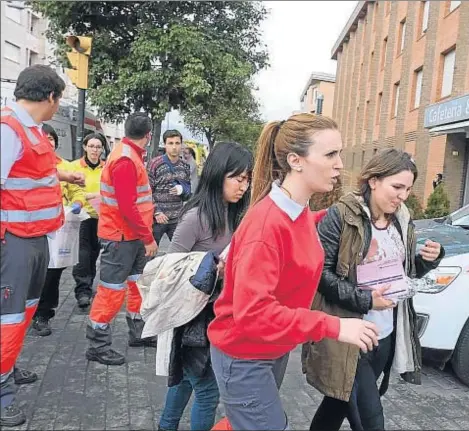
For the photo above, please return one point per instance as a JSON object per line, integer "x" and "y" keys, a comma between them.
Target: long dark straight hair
{"x": 227, "y": 158}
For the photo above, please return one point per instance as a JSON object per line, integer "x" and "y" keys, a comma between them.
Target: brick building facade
{"x": 399, "y": 64}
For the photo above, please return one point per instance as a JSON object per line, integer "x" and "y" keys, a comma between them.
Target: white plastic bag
{"x": 63, "y": 247}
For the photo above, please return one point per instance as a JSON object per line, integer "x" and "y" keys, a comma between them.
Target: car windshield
{"x": 460, "y": 217}
{"x": 455, "y": 240}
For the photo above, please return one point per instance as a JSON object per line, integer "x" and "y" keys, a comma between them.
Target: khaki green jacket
{"x": 345, "y": 233}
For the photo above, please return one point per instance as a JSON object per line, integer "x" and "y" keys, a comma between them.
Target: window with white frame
{"x": 34, "y": 25}
{"x": 425, "y": 15}
{"x": 402, "y": 36}
{"x": 33, "y": 58}
{"x": 418, "y": 87}
{"x": 12, "y": 12}
{"x": 396, "y": 98}
{"x": 385, "y": 48}
{"x": 12, "y": 52}
{"x": 379, "y": 108}
{"x": 453, "y": 5}
{"x": 448, "y": 73}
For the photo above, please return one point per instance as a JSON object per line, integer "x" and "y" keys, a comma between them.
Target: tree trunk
{"x": 155, "y": 139}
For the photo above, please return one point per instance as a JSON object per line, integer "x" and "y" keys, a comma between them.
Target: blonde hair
{"x": 277, "y": 140}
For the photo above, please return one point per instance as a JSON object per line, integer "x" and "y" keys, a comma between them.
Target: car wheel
{"x": 460, "y": 360}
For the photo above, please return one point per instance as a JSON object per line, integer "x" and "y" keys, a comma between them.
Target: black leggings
{"x": 50, "y": 294}
{"x": 160, "y": 229}
{"x": 84, "y": 272}
{"x": 364, "y": 410}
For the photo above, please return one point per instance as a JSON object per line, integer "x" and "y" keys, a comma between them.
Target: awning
{"x": 461, "y": 127}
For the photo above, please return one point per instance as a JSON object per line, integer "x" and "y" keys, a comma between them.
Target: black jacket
{"x": 190, "y": 348}
{"x": 340, "y": 288}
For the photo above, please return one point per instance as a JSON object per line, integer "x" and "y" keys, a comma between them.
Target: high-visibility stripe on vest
{"x": 31, "y": 198}
{"x": 111, "y": 225}
{"x": 14, "y": 327}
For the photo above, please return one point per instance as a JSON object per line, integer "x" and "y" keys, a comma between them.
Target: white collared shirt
{"x": 287, "y": 205}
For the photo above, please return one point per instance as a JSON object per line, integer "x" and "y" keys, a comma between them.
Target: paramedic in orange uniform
{"x": 31, "y": 210}
{"x": 125, "y": 230}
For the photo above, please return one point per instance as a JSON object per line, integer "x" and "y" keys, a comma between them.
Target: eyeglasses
{"x": 94, "y": 147}
{"x": 242, "y": 180}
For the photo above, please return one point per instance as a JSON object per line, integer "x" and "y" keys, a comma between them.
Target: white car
{"x": 442, "y": 305}
{"x": 457, "y": 218}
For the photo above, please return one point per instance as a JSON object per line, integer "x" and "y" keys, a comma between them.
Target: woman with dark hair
{"x": 73, "y": 196}
{"x": 51, "y": 135}
{"x": 207, "y": 223}
{"x": 369, "y": 233}
{"x": 91, "y": 165}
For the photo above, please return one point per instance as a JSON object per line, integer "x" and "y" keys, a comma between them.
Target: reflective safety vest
{"x": 92, "y": 181}
{"x": 31, "y": 198}
{"x": 111, "y": 224}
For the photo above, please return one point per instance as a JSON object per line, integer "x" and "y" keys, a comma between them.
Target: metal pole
{"x": 80, "y": 123}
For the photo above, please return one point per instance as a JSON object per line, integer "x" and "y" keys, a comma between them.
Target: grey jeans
{"x": 249, "y": 391}
{"x": 121, "y": 264}
{"x": 23, "y": 272}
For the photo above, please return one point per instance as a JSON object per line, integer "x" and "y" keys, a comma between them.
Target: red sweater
{"x": 271, "y": 276}
{"x": 124, "y": 180}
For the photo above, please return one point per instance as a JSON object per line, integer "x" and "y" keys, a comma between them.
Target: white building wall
{"x": 23, "y": 43}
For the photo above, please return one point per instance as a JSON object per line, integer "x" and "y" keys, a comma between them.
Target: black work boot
{"x": 108, "y": 357}
{"x": 24, "y": 377}
{"x": 135, "y": 334}
{"x": 11, "y": 416}
{"x": 83, "y": 301}
{"x": 41, "y": 326}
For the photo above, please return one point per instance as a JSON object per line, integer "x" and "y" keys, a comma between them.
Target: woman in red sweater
{"x": 272, "y": 273}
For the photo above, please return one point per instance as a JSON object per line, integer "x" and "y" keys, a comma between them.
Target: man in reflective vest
{"x": 31, "y": 209}
{"x": 125, "y": 230}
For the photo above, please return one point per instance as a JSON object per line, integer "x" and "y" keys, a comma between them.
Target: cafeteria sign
{"x": 452, "y": 111}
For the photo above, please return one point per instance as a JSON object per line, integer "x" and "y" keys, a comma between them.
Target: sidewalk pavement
{"x": 74, "y": 394}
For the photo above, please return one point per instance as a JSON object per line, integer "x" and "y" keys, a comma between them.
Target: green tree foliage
{"x": 320, "y": 201}
{"x": 246, "y": 132}
{"x": 415, "y": 207}
{"x": 155, "y": 55}
{"x": 438, "y": 203}
{"x": 236, "y": 119}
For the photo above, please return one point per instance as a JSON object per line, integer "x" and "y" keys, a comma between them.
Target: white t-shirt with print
{"x": 385, "y": 244}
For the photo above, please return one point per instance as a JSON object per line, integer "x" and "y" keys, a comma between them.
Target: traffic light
{"x": 81, "y": 50}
